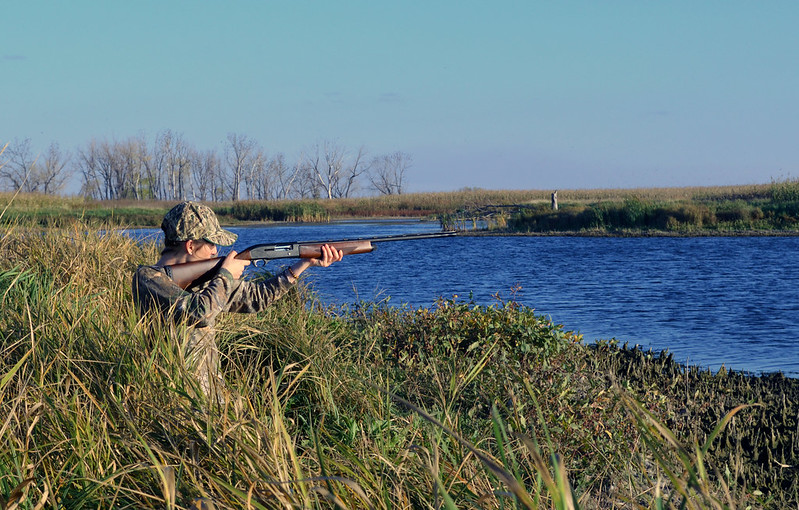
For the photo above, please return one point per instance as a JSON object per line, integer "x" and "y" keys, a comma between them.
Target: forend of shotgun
{"x": 303, "y": 250}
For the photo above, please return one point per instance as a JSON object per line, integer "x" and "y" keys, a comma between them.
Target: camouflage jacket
{"x": 154, "y": 290}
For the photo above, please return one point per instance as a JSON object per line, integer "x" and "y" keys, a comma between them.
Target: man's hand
{"x": 329, "y": 255}
{"x": 234, "y": 265}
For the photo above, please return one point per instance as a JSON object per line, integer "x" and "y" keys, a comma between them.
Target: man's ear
{"x": 189, "y": 246}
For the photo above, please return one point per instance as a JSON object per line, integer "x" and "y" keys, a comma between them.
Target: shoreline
{"x": 646, "y": 233}
{"x": 394, "y": 220}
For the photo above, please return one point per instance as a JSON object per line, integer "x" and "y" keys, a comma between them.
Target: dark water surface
{"x": 710, "y": 301}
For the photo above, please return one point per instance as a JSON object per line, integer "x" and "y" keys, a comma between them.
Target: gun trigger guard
{"x": 258, "y": 263}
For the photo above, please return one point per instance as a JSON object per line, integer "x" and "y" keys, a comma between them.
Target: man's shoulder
{"x": 150, "y": 270}
{"x": 150, "y": 273}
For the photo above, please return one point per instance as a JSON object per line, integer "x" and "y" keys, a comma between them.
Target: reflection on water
{"x": 710, "y": 301}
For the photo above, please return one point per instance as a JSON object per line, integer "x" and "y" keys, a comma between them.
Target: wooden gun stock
{"x": 314, "y": 251}
{"x": 189, "y": 274}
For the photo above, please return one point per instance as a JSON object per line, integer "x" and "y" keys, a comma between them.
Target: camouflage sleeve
{"x": 251, "y": 297}
{"x": 153, "y": 289}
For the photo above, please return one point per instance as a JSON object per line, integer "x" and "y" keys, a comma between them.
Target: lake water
{"x": 711, "y": 301}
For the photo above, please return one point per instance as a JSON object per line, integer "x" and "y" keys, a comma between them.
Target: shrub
{"x": 635, "y": 212}
{"x": 275, "y": 211}
{"x": 735, "y": 212}
{"x": 786, "y": 190}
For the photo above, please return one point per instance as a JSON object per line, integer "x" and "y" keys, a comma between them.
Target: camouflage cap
{"x": 192, "y": 221}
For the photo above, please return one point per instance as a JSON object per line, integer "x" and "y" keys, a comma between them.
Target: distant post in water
{"x": 555, "y": 200}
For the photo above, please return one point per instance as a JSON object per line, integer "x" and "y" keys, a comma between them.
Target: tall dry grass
{"x": 328, "y": 408}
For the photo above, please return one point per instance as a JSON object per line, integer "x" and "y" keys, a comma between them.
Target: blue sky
{"x": 497, "y": 95}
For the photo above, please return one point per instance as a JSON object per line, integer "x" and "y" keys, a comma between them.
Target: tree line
{"x": 171, "y": 168}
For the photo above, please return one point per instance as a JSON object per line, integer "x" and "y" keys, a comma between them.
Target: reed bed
{"x": 58, "y": 211}
{"x": 367, "y": 406}
{"x": 433, "y": 204}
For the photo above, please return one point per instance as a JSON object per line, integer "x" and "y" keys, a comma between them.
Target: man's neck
{"x": 170, "y": 259}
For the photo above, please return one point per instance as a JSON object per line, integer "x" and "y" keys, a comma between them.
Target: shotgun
{"x": 190, "y": 274}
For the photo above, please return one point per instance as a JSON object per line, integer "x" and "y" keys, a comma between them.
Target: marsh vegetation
{"x": 766, "y": 208}
{"x": 362, "y": 406}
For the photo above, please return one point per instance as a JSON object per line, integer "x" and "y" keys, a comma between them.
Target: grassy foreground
{"x": 457, "y": 406}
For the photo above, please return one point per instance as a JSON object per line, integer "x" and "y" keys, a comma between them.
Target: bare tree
{"x": 239, "y": 153}
{"x": 172, "y": 166}
{"x": 17, "y": 170}
{"x": 328, "y": 167}
{"x": 54, "y": 170}
{"x": 112, "y": 170}
{"x": 336, "y": 175}
{"x": 2, "y": 161}
{"x": 31, "y": 173}
{"x": 283, "y": 177}
{"x": 206, "y": 173}
{"x": 88, "y": 166}
{"x": 273, "y": 179}
{"x": 256, "y": 178}
{"x": 173, "y": 169}
{"x": 129, "y": 160}
{"x": 155, "y": 169}
{"x": 387, "y": 173}
{"x": 311, "y": 181}
{"x": 348, "y": 182}
{"x": 218, "y": 181}
{"x": 95, "y": 162}
{"x": 306, "y": 183}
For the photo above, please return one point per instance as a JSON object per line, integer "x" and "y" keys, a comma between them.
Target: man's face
{"x": 200, "y": 250}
